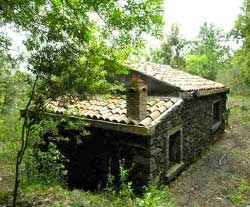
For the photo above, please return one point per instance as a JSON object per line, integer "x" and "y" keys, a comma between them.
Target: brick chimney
{"x": 137, "y": 94}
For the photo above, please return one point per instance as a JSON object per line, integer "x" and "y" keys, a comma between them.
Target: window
{"x": 217, "y": 112}
{"x": 174, "y": 163}
{"x": 174, "y": 148}
{"x": 216, "y": 115}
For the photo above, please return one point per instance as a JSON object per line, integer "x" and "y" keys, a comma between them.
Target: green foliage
{"x": 87, "y": 199}
{"x": 38, "y": 194}
{"x": 4, "y": 198}
{"x": 45, "y": 167}
{"x": 197, "y": 64}
{"x": 230, "y": 75}
{"x": 240, "y": 110}
{"x": 204, "y": 56}
{"x": 123, "y": 195}
{"x": 43, "y": 187}
{"x": 155, "y": 195}
{"x": 75, "y": 46}
{"x": 43, "y": 156}
{"x": 125, "y": 185}
{"x": 241, "y": 29}
{"x": 42, "y": 152}
{"x": 241, "y": 32}
{"x": 241, "y": 196}
{"x": 13, "y": 91}
{"x": 241, "y": 60}
{"x": 110, "y": 187}
{"x": 171, "y": 51}
{"x": 208, "y": 53}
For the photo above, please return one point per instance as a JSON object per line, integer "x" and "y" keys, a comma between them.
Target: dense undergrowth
{"x": 155, "y": 195}
{"x": 43, "y": 181}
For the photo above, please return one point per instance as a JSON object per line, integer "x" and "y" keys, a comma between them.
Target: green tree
{"x": 74, "y": 46}
{"x": 13, "y": 87}
{"x": 241, "y": 32}
{"x": 197, "y": 64}
{"x": 172, "y": 50}
{"x": 208, "y": 53}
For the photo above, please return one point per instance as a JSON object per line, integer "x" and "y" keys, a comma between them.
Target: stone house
{"x": 163, "y": 123}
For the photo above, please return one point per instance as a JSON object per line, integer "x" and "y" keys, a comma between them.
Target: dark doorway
{"x": 174, "y": 148}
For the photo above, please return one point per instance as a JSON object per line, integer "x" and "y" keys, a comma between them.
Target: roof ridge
{"x": 175, "y": 77}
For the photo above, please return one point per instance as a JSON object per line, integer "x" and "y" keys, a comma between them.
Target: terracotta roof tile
{"x": 155, "y": 114}
{"x": 146, "y": 121}
{"x": 162, "y": 108}
{"x": 113, "y": 109}
{"x": 183, "y": 80}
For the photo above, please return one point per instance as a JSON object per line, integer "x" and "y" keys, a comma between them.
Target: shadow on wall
{"x": 92, "y": 158}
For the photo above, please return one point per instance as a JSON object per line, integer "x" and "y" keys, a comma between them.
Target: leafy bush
{"x": 44, "y": 163}
{"x": 45, "y": 166}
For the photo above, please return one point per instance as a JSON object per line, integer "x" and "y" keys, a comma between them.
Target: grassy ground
{"x": 56, "y": 196}
{"x": 221, "y": 178}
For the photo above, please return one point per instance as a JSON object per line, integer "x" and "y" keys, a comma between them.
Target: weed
{"x": 125, "y": 185}
{"x": 155, "y": 195}
{"x": 241, "y": 196}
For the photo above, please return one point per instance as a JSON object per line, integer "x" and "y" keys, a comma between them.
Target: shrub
{"x": 45, "y": 167}
{"x": 44, "y": 163}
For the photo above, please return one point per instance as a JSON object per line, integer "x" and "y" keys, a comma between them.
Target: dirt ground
{"x": 211, "y": 180}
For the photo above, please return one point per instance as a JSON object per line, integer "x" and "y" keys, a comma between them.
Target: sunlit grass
{"x": 240, "y": 196}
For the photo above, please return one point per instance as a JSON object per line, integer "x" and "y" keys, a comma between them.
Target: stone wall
{"x": 159, "y": 142}
{"x": 198, "y": 130}
{"x": 194, "y": 119}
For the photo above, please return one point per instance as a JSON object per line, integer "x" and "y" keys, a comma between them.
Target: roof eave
{"x": 126, "y": 128}
{"x": 120, "y": 127}
{"x": 203, "y": 92}
{"x": 212, "y": 91}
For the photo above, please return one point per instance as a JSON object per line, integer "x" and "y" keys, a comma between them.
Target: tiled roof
{"x": 113, "y": 109}
{"x": 178, "y": 78}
